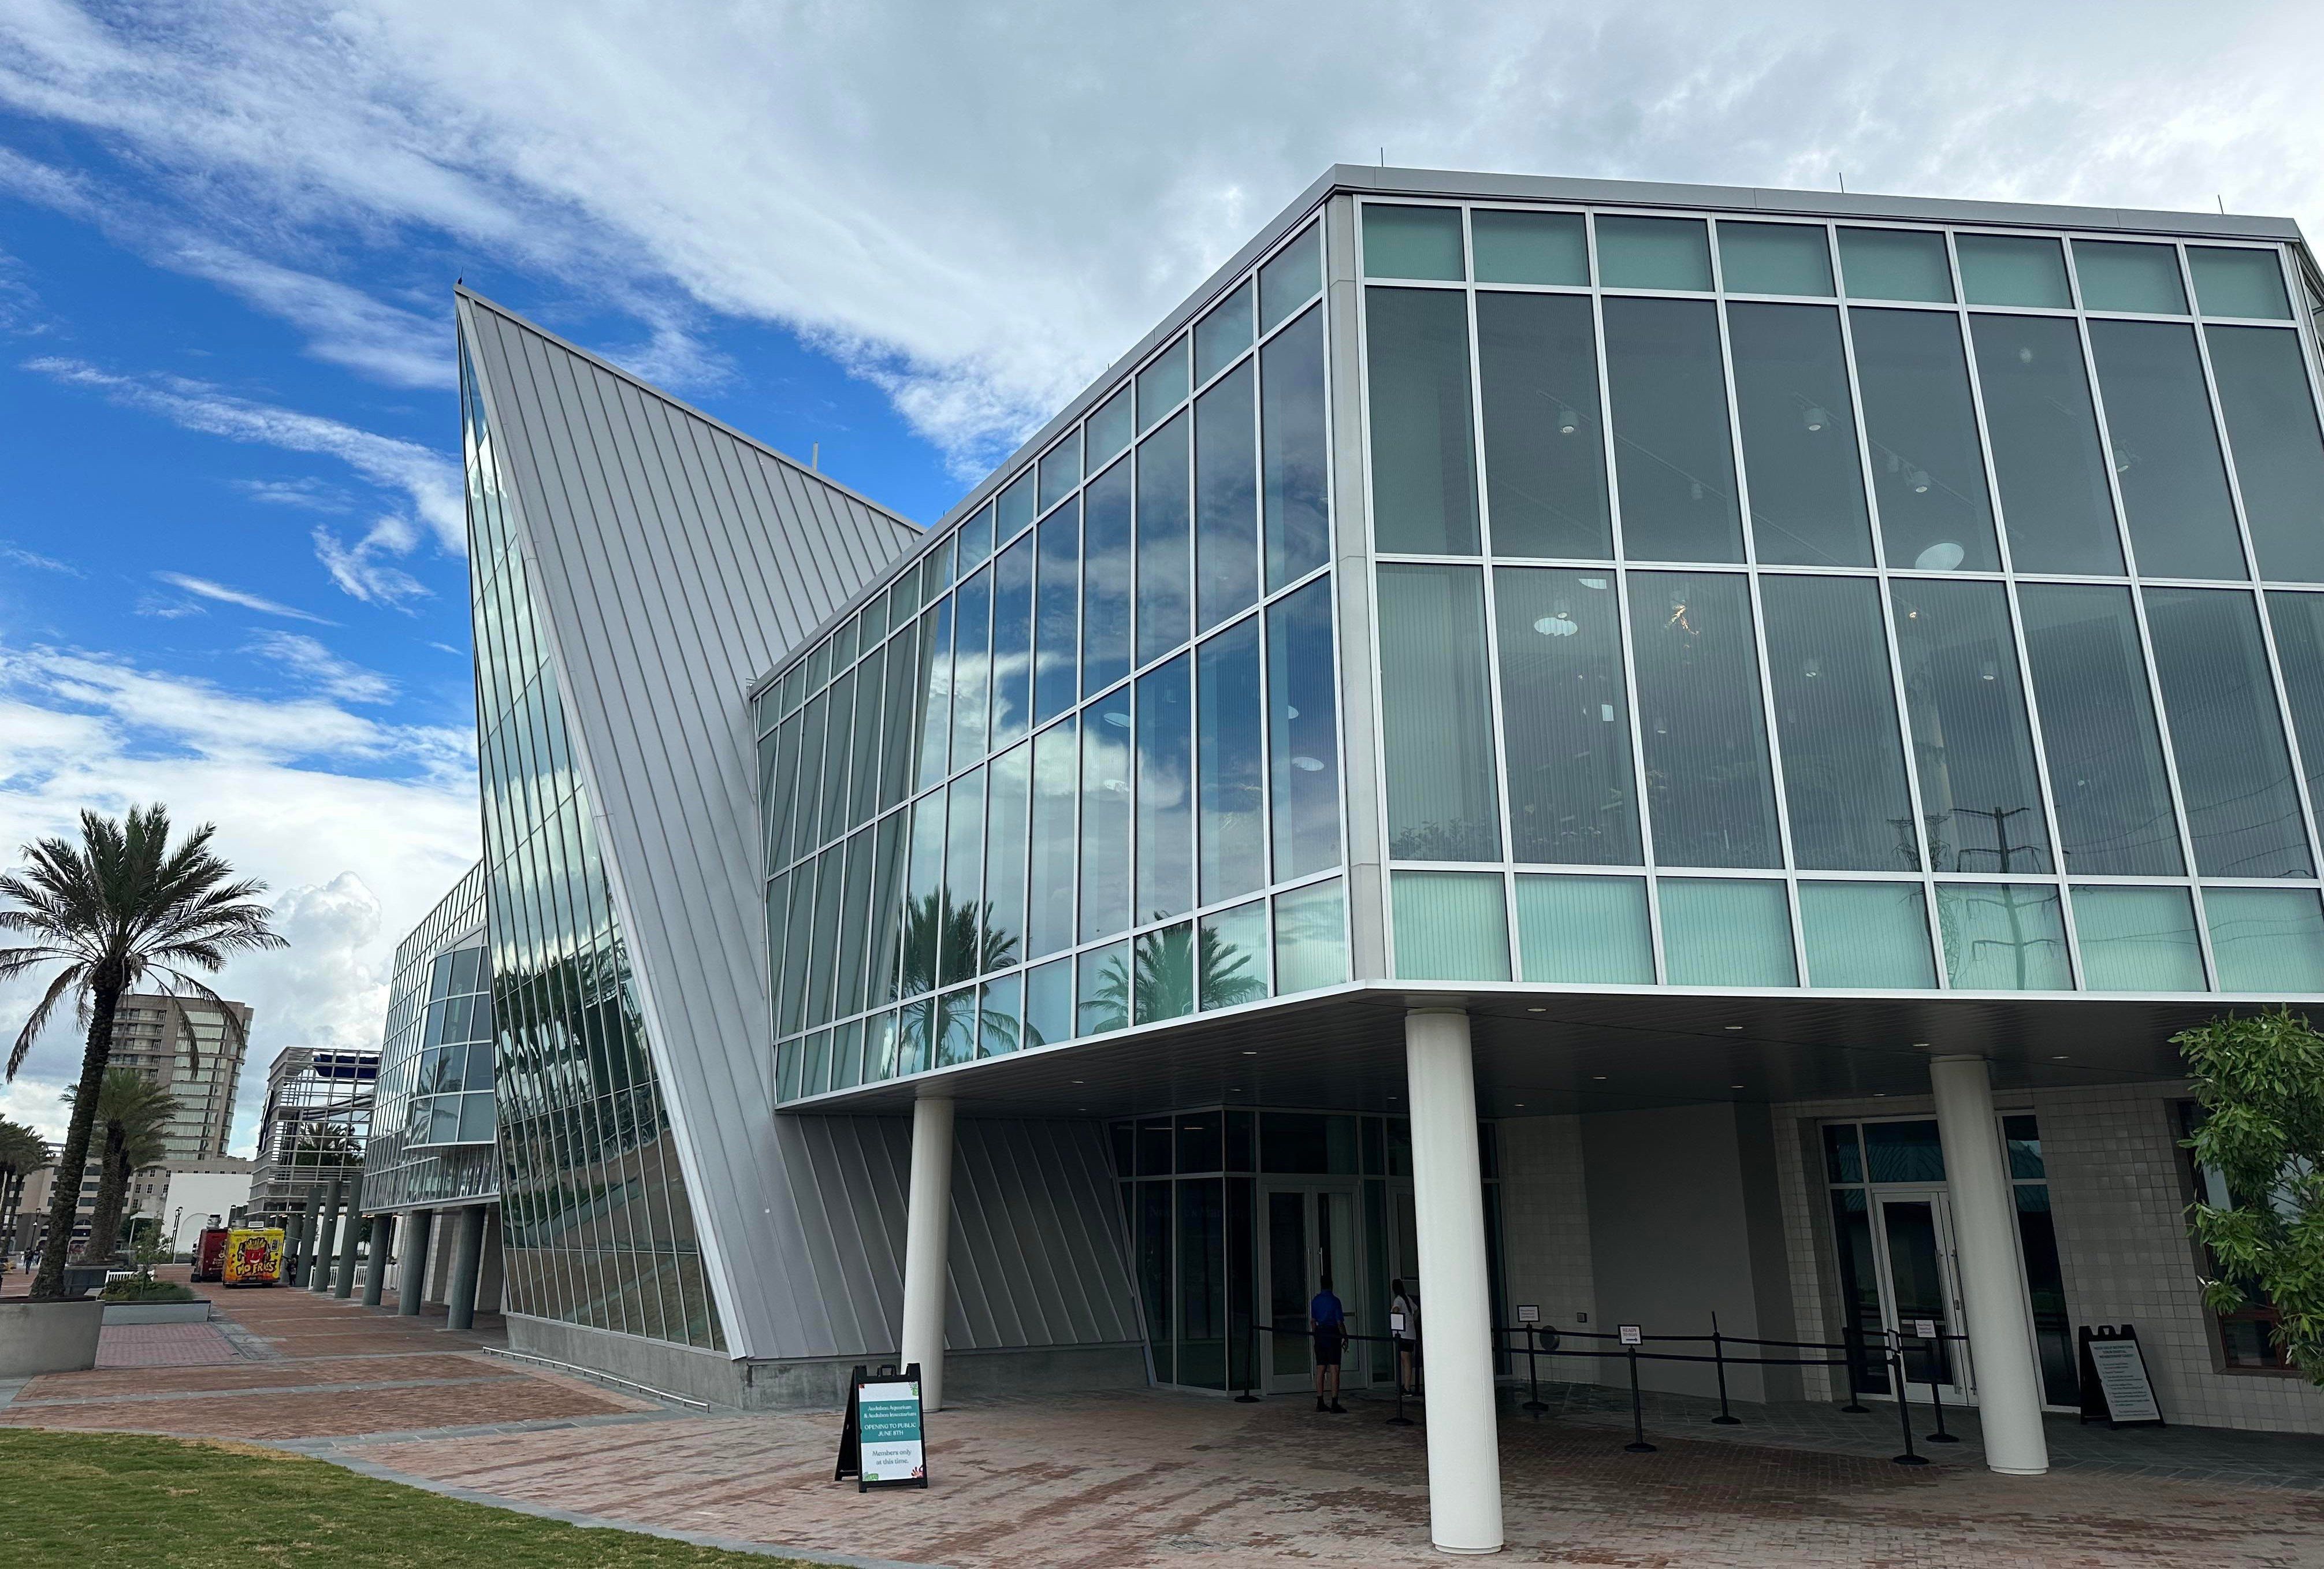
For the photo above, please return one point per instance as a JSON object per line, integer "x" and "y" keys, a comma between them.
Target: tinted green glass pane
{"x": 1450, "y": 926}
{"x": 1565, "y": 715}
{"x": 1311, "y": 946}
{"x": 1106, "y": 766}
{"x": 1303, "y": 732}
{"x": 1016, "y": 507}
{"x": 971, "y": 668}
{"x": 1774, "y": 258}
{"x": 2270, "y": 420}
{"x": 916, "y": 1037}
{"x": 1230, "y": 763}
{"x": 855, "y": 911}
{"x": 1799, "y": 435}
{"x": 1165, "y": 568}
{"x": 1544, "y": 448}
{"x": 1061, "y": 470}
{"x": 1643, "y": 253}
{"x": 1412, "y": 241}
{"x": 1705, "y": 734}
{"x": 1585, "y": 929}
{"x": 1291, "y": 280}
{"x": 1970, "y": 742}
{"x": 1226, "y": 499}
{"x": 879, "y": 1046}
{"x": 1012, "y": 677}
{"x": 1107, "y": 543}
{"x": 1057, "y": 617}
{"x": 2027, "y": 270}
{"x": 2099, "y": 729}
{"x": 956, "y": 1027}
{"x": 1231, "y": 953}
{"x": 2138, "y": 939}
{"x": 1165, "y": 792}
{"x": 2299, "y": 623}
{"x": 1293, "y": 452}
{"x": 1048, "y": 1004}
{"x": 1896, "y": 264}
{"x": 1726, "y": 932}
{"x": 1844, "y": 783}
{"x": 2235, "y": 775}
{"x": 1056, "y": 782}
{"x": 923, "y": 920}
{"x": 1104, "y": 990}
{"x": 1904, "y": 1151}
{"x": 1223, "y": 334}
{"x": 2054, "y": 501}
{"x": 2116, "y": 275}
{"x": 1109, "y": 429}
{"x": 962, "y": 942}
{"x": 999, "y": 1016}
{"x": 1927, "y": 465}
{"x": 1443, "y": 801}
{"x": 2003, "y": 936}
{"x": 1530, "y": 247}
{"x": 2238, "y": 282}
{"x": 2267, "y": 939}
{"x": 1667, "y": 385}
{"x": 1162, "y": 386}
{"x": 1423, "y": 449}
{"x": 2166, "y": 450}
{"x": 1008, "y": 802}
{"x": 1872, "y": 934}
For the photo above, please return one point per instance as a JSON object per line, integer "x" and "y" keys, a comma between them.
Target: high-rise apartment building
{"x": 184, "y": 1044}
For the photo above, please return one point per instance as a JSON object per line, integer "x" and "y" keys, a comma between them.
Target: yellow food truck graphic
{"x": 253, "y": 1257}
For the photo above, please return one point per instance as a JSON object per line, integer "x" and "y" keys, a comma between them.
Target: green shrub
{"x": 146, "y": 1290}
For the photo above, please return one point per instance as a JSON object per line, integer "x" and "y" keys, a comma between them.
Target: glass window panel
{"x": 2233, "y": 773}
{"x": 886, "y": 911}
{"x": 1049, "y": 1003}
{"x": 935, "y": 692}
{"x": 1708, "y": 783}
{"x": 1162, "y": 386}
{"x": 1234, "y": 827}
{"x": 1292, "y": 279}
{"x": 1566, "y": 717}
{"x": 2003, "y": 936}
{"x": 1057, "y": 616}
{"x": 1872, "y": 934}
{"x": 855, "y": 911}
{"x": 2267, "y": 939}
{"x": 1061, "y": 470}
{"x": 971, "y": 667}
{"x": 1423, "y": 449}
{"x": 1293, "y": 453}
{"x": 1412, "y": 242}
{"x": 1234, "y": 955}
{"x": 1799, "y": 435}
{"x": 1443, "y": 803}
{"x": 818, "y": 664}
{"x": 1726, "y": 932}
{"x": 999, "y": 1016}
{"x": 1202, "y": 1142}
{"x": 905, "y": 676}
{"x": 924, "y": 896}
{"x": 1165, "y": 974}
{"x": 830, "y": 884}
{"x": 1896, "y": 264}
{"x": 1013, "y": 643}
{"x": 864, "y": 790}
{"x": 2271, "y": 421}
{"x": 1643, "y": 253}
{"x": 2023, "y": 1135}
{"x": 792, "y": 1013}
{"x": 1311, "y": 944}
{"x": 1544, "y": 448}
{"x": 1165, "y": 792}
{"x": 1226, "y": 500}
{"x": 475, "y": 1119}
{"x": 847, "y": 1056}
{"x": 1057, "y": 785}
{"x": 2116, "y": 275}
{"x": 1104, "y": 990}
{"x": 2027, "y": 270}
{"x": 1774, "y": 258}
{"x": 936, "y": 568}
{"x": 2166, "y": 451}
{"x": 1843, "y": 1157}
{"x": 2138, "y": 939}
{"x": 1105, "y": 816}
{"x": 1928, "y": 469}
{"x": 1844, "y": 781}
{"x": 1450, "y": 926}
{"x": 880, "y": 1044}
{"x": 1009, "y": 792}
{"x": 2236, "y": 281}
{"x": 1978, "y": 787}
{"x": 1303, "y": 732}
{"x": 1904, "y": 1151}
{"x": 956, "y": 1027}
{"x": 1165, "y": 556}
{"x": 1530, "y": 247}
{"x": 805, "y": 820}
{"x": 2046, "y": 458}
{"x": 779, "y": 770}
{"x": 2299, "y": 623}
{"x": 2098, "y": 731}
{"x": 1223, "y": 334}
{"x": 1109, "y": 429}
{"x": 1673, "y": 455}
{"x": 975, "y": 537}
{"x": 1585, "y": 929}
{"x": 816, "y": 1075}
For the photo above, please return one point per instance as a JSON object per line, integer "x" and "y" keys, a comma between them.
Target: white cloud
{"x": 203, "y": 588}
{"x": 358, "y": 570}
{"x": 15, "y": 555}
{"x": 305, "y": 657}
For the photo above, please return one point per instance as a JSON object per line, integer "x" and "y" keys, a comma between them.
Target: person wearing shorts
{"x": 1328, "y": 1323}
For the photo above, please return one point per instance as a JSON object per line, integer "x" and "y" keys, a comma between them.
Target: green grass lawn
{"x": 104, "y": 1499}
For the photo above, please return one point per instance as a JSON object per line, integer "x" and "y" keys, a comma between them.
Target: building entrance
{"x": 1311, "y": 1234}
{"x": 1919, "y": 1284}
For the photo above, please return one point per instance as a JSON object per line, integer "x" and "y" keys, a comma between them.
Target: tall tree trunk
{"x": 112, "y": 1194}
{"x": 49, "y": 1285}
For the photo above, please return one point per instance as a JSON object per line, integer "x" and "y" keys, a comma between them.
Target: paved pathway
{"x": 1147, "y": 1478}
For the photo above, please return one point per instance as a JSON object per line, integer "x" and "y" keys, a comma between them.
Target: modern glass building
{"x": 1637, "y": 750}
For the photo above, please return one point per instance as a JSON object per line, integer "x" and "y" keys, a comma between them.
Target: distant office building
{"x": 312, "y": 1130}
{"x": 183, "y": 1044}
{"x": 1647, "y": 751}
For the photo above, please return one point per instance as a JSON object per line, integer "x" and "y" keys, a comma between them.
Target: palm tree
{"x": 22, "y": 1153}
{"x": 133, "y": 1114}
{"x": 122, "y": 909}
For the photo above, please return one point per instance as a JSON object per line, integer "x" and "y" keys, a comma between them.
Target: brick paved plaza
{"x": 1154, "y": 1477}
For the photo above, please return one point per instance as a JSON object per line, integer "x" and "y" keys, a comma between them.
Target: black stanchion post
{"x": 1250, "y": 1368}
{"x": 1851, "y": 1353}
{"x": 1904, "y": 1403}
{"x": 1937, "y": 1396}
{"x": 1533, "y": 1377}
{"x": 1725, "y": 1418}
{"x": 1637, "y": 1444}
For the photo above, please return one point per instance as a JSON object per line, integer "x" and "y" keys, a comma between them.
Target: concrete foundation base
{"x": 48, "y": 1337}
{"x": 156, "y": 1312}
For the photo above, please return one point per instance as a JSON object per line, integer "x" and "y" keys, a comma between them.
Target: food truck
{"x": 209, "y": 1252}
{"x": 254, "y": 1256}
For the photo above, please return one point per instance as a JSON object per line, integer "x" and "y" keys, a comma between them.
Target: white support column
{"x": 1993, "y": 1294}
{"x": 1464, "y": 1456}
{"x": 928, "y": 1231}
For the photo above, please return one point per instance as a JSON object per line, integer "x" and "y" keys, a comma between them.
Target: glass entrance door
{"x": 1919, "y": 1285}
{"x": 1308, "y": 1234}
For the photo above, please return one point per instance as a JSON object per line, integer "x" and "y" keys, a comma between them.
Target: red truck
{"x": 209, "y": 1254}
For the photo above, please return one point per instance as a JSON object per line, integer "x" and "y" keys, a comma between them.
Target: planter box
{"x": 48, "y": 1337}
{"x": 86, "y": 1280}
{"x": 155, "y": 1313}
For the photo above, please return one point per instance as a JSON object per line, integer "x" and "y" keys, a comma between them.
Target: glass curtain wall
{"x": 598, "y": 1228}
{"x": 432, "y": 1123}
{"x": 1842, "y": 604}
{"x": 1077, "y": 767}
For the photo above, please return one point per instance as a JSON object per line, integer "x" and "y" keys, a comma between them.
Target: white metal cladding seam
{"x": 657, "y": 685}
{"x": 827, "y": 1147}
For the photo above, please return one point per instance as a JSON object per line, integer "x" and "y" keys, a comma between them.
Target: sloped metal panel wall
{"x": 677, "y": 561}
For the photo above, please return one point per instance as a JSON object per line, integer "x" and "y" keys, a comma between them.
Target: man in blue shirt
{"x": 1328, "y": 1321}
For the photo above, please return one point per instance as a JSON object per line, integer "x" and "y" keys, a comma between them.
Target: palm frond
{"x": 67, "y": 979}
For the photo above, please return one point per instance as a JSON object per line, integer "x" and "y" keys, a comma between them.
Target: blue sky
{"x": 231, "y": 570}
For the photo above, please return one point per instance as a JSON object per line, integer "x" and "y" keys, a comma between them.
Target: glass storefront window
{"x": 1572, "y": 797}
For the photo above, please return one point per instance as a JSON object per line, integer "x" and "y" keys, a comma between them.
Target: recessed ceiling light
{"x": 2060, "y": 1058}
{"x": 1734, "y": 1027}
{"x": 1080, "y": 1081}
{"x": 1520, "y": 1107}
{"x": 1536, "y": 1010}
{"x": 1880, "y": 1094}
{"x": 1597, "y": 1076}
{"x": 1250, "y": 1054}
{"x": 1734, "y": 1086}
